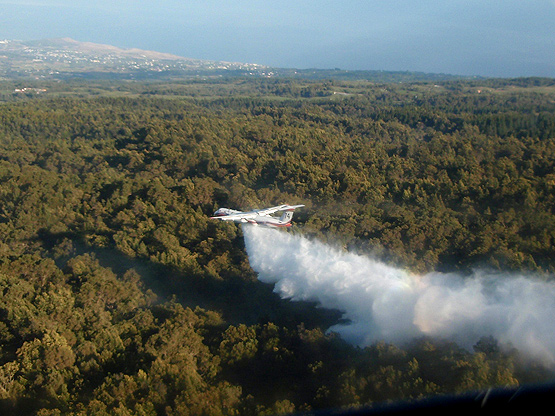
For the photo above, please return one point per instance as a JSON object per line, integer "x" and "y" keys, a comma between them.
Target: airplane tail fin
{"x": 287, "y": 216}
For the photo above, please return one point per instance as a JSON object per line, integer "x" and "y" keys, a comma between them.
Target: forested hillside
{"x": 119, "y": 295}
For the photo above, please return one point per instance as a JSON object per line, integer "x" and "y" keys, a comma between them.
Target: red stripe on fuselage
{"x": 269, "y": 224}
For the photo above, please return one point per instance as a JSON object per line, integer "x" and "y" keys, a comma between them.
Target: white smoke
{"x": 381, "y": 302}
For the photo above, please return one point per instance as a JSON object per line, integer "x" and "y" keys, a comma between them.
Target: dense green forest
{"x": 120, "y": 296}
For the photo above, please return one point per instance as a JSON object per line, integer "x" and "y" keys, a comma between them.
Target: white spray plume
{"x": 381, "y": 302}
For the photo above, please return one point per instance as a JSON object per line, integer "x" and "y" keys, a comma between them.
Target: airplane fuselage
{"x": 258, "y": 217}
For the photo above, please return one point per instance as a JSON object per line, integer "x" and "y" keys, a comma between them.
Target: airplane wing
{"x": 269, "y": 211}
{"x": 236, "y": 217}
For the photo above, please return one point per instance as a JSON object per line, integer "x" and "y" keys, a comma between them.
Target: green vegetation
{"x": 120, "y": 296}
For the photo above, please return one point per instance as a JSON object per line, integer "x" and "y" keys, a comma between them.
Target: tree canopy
{"x": 120, "y": 296}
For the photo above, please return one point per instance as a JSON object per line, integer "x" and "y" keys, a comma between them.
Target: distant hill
{"x": 67, "y": 58}
{"x": 68, "y": 44}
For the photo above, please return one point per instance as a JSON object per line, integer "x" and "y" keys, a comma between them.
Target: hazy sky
{"x": 469, "y": 37}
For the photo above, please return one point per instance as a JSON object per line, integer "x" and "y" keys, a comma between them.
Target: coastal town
{"x": 56, "y": 57}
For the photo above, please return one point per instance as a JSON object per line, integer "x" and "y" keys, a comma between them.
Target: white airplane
{"x": 258, "y": 216}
